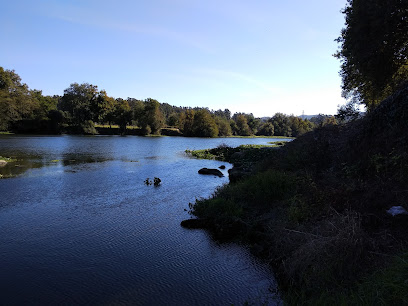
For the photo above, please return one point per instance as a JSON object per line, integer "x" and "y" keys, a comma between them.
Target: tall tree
{"x": 78, "y": 100}
{"x": 123, "y": 115}
{"x": 153, "y": 118}
{"x": 204, "y": 124}
{"x": 281, "y": 125}
{"x": 242, "y": 126}
{"x": 16, "y": 101}
{"x": 186, "y": 122}
{"x": 373, "y": 49}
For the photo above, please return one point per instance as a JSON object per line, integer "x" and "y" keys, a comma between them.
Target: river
{"x": 78, "y": 225}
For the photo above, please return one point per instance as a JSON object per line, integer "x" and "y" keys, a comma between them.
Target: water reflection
{"x": 22, "y": 163}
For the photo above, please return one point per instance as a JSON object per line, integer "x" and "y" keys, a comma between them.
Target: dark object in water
{"x": 211, "y": 172}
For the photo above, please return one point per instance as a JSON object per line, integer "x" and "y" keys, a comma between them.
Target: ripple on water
{"x": 91, "y": 232}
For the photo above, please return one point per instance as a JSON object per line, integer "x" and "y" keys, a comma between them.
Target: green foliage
{"x": 204, "y": 124}
{"x": 224, "y": 127}
{"x": 16, "y": 101}
{"x": 348, "y": 112}
{"x": 262, "y": 189}
{"x": 152, "y": 116}
{"x": 122, "y": 114}
{"x": 267, "y": 129}
{"x": 242, "y": 127}
{"x": 198, "y": 123}
{"x": 78, "y": 101}
{"x": 216, "y": 207}
{"x": 281, "y": 124}
{"x": 373, "y": 49}
{"x": 24, "y": 110}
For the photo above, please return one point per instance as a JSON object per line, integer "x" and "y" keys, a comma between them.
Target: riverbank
{"x": 114, "y": 130}
{"x": 319, "y": 210}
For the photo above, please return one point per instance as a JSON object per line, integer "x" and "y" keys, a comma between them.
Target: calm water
{"x": 79, "y": 226}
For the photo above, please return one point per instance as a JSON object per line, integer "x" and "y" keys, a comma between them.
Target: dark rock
{"x": 222, "y": 167}
{"x": 207, "y": 171}
{"x": 194, "y": 223}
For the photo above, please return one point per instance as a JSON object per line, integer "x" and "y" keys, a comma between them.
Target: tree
{"x": 78, "y": 101}
{"x": 152, "y": 116}
{"x": 46, "y": 104}
{"x": 16, "y": 101}
{"x": 204, "y": 124}
{"x": 101, "y": 105}
{"x": 186, "y": 122}
{"x": 281, "y": 125}
{"x": 123, "y": 115}
{"x": 373, "y": 49}
{"x": 224, "y": 127}
{"x": 242, "y": 124}
{"x": 348, "y": 112}
{"x": 266, "y": 129}
{"x": 137, "y": 107}
{"x": 299, "y": 126}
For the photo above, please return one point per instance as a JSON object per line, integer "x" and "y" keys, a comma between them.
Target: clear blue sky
{"x": 259, "y": 56}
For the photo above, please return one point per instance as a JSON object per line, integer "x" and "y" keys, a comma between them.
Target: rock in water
{"x": 207, "y": 171}
{"x": 194, "y": 223}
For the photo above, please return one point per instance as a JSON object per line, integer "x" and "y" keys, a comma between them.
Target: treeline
{"x": 83, "y": 107}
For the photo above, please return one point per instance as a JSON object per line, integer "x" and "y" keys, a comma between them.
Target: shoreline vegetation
{"x": 86, "y": 110}
{"x": 317, "y": 209}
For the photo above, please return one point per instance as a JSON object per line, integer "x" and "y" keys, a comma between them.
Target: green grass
{"x": 6, "y": 133}
{"x": 201, "y": 154}
{"x": 261, "y": 189}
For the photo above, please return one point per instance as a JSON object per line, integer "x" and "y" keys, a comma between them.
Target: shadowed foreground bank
{"x": 316, "y": 209}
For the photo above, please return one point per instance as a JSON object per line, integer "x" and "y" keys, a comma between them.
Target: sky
{"x": 252, "y": 56}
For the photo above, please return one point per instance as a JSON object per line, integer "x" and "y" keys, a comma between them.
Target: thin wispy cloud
{"x": 225, "y": 74}
{"x": 84, "y": 17}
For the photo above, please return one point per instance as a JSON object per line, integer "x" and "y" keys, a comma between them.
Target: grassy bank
{"x": 316, "y": 209}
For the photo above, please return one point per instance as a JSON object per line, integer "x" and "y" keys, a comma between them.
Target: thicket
{"x": 316, "y": 209}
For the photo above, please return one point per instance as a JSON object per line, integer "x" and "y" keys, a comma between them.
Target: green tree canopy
{"x": 79, "y": 100}
{"x": 152, "y": 118}
{"x": 16, "y": 101}
{"x": 123, "y": 114}
{"x": 281, "y": 125}
{"x": 373, "y": 49}
{"x": 204, "y": 124}
{"x": 242, "y": 127}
